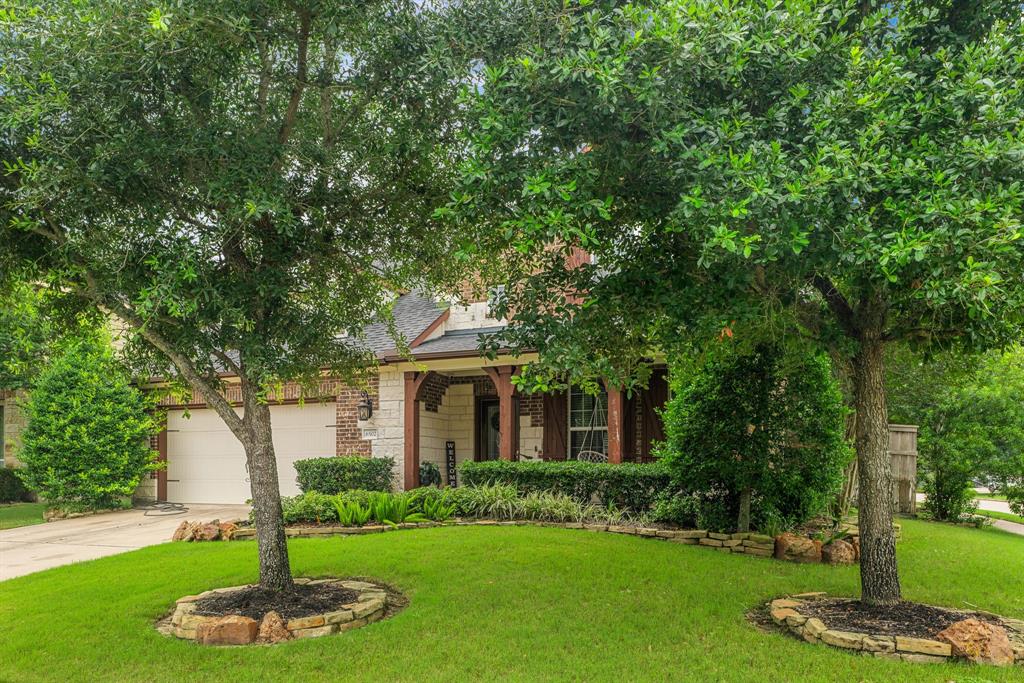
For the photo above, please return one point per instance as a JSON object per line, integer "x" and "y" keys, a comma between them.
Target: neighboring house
{"x": 446, "y": 406}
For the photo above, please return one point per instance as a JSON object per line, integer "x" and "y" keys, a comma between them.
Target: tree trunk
{"x": 275, "y": 572}
{"x": 743, "y": 522}
{"x": 879, "y": 578}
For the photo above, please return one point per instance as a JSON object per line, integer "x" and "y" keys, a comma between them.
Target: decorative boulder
{"x": 227, "y": 530}
{"x": 979, "y": 642}
{"x": 272, "y": 629}
{"x": 208, "y": 532}
{"x": 838, "y": 552}
{"x": 229, "y": 630}
{"x": 184, "y": 532}
{"x": 796, "y": 548}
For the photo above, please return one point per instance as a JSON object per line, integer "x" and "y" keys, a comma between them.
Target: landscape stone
{"x": 272, "y": 629}
{"x": 230, "y": 630}
{"x": 306, "y": 622}
{"x": 837, "y": 552}
{"x": 315, "y": 632}
{"x": 979, "y": 642}
{"x": 879, "y": 644}
{"x": 923, "y": 646}
{"x": 844, "y": 639}
{"x": 797, "y": 548}
{"x": 780, "y": 615}
{"x": 208, "y": 532}
{"x": 815, "y": 627}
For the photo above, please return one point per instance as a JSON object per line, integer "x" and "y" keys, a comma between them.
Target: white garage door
{"x": 206, "y": 463}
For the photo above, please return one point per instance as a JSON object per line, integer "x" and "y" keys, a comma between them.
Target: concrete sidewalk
{"x": 34, "y": 548}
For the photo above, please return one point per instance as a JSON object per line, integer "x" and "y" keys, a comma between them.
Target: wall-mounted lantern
{"x": 364, "y": 408}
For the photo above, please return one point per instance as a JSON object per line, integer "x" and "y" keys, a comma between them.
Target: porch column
{"x": 616, "y": 424}
{"x": 502, "y": 378}
{"x": 413, "y": 382}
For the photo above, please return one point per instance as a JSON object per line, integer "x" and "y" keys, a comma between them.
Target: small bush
{"x": 344, "y": 473}
{"x": 430, "y": 475}
{"x": 497, "y": 501}
{"x": 681, "y": 510}
{"x": 86, "y": 445}
{"x": 948, "y": 487}
{"x": 306, "y": 508}
{"x": 12, "y": 489}
{"x": 1015, "y": 497}
{"x": 757, "y": 434}
{"x": 628, "y": 486}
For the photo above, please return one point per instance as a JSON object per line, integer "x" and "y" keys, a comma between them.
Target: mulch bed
{"x": 301, "y": 601}
{"x": 905, "y": 619}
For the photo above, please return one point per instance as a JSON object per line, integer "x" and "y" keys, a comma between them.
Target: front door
{"x": 488, "y": 436}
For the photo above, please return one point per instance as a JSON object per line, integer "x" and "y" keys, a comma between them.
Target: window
{"x": 588, "y": 422}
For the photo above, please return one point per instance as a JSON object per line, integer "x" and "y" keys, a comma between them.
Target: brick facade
{"x": 349, "y": 433}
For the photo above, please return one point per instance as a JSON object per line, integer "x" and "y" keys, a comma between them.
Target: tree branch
{"x": 300, "y": 77}
{"x": 838, "y": 304}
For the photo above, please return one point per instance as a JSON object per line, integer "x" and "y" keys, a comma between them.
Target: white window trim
{"x": 570, "y": 429}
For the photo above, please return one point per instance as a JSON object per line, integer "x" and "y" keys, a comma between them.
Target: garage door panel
{"x": 206, "y": 463}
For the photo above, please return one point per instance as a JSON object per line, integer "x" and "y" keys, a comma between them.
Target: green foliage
{"x": 334, "y": 475}
{"x": 430, "y": 475}
{"x": 681, "y": 510}
{"x": 86, "y": 445}
{"x": 496, "y": 501}
{"x": 552, "y": 507}
{"x": 764, "y": 422}
{"x": 350, "y": 512}
{"x": 1015, "y": 498}
{"x": 311, "y": 507}
{"x": 628, "y": 486}
{"x": 834, "y": 167}
{"x": 24, "y": 332}
{"x": 971, "y": 420}
{"x": 439, "y": 508}
{"x": 12, "y": 489}
{"x": 393, "y": 509}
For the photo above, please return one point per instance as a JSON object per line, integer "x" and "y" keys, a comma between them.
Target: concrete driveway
{"x": 33, "y": 548}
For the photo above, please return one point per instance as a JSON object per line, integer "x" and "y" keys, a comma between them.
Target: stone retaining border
{"x": 756, "y": 545}
{"x": 785, "y": 612}
{"x": 370, "y": 606}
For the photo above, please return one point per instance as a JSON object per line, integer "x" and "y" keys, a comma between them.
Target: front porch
{"x": 453, "y": 414}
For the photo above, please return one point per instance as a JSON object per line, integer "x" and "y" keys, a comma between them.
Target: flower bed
{"x": 907, "y": 631}
{"x": 326, "y": 606}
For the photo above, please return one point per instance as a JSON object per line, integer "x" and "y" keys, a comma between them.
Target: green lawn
{"x": 996, "y": 514}
{"x": 495, "y": 603}
{"x": 990, "y": 496}
{"x": 21, "y": 514}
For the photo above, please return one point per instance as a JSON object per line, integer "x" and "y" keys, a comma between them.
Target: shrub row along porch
{"x": 482, "y": 406}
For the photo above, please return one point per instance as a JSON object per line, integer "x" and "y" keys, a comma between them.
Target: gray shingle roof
{"x": 413, "y": 312}
{"x": 456, "y": 341}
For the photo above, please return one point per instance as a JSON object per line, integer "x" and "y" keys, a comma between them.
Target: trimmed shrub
{"x": 758, "y": 436}
{"x": 311, "y": 507}
{"x": 628, "y": 486}
{"x": 12, "y": 489}
{"x": 344, "y": 473}
{"x": 86, "y": 445}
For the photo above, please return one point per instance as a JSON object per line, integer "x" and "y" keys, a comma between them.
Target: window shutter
{"x": 556, "y": 425}
{"x": 651, "y": 400}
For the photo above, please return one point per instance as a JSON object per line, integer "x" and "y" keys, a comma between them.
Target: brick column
{"x": 502, "y": 378}
{"x": 616, "y": 424}
{"x": 413, "y": 382}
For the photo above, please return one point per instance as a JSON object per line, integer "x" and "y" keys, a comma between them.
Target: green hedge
{"x": 628, "y": 486}
{"x": 334, "y": 475}
{"x": 12, "y": 490}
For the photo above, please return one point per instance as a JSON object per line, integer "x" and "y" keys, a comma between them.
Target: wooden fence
{"x": 903, "y": 449}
